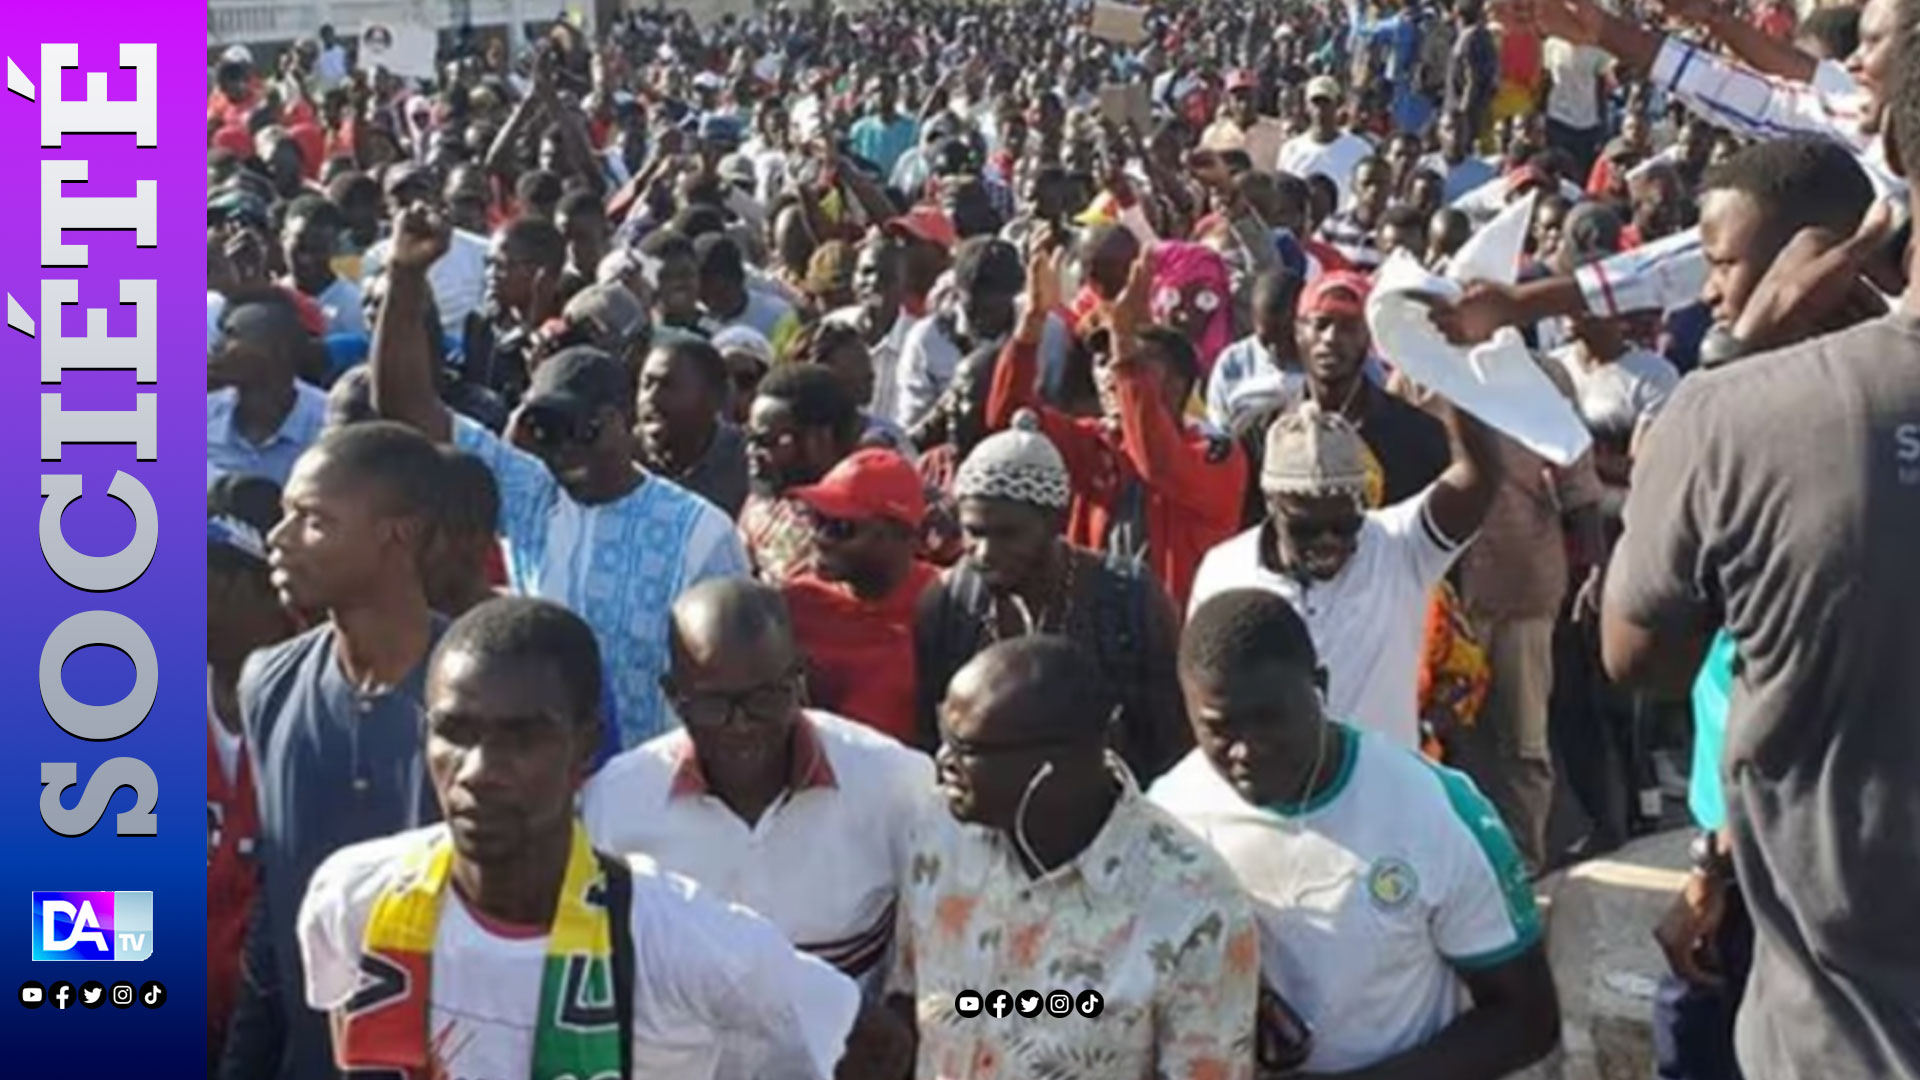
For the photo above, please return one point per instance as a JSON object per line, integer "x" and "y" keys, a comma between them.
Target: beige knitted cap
{"x": 1312, "y": 452}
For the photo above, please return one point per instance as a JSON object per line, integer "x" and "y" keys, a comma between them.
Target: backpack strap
{"x": 619, "y": 878}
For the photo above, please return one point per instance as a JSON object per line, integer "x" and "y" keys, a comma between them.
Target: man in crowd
{"x": 574, "y": 506}
{"x": 1809, "y": 738}
{"x": 1409, "y": 448}
{"x": 1261, "y": 372}
{"x": 1353, "y": 232}
{"x": 310, "y": 238}
{"x": 243, "y": 614}
{"x": 878, "y": 284}
{"x": 468, "y": 948}
{"x": 1021, "y": 577}
{"x": 260, "y": 415}
{"x": 853, "y": 612}
{"x": 1384, "y": 884}
{"x": 682, "y": 434}
{"x": 1325, "y": 149}
{"x": 988, "y": 280}
{"x": 801, "y": 425}
{"x": 786, "y": 808}
{"x": 459, "y": 276}
{"x": 1049, "y": 860}
{"x": 1361, "y": 579}
{"x": 331, "y": 718}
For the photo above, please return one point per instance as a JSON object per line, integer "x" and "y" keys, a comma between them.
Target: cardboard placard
{"x": 1122, "y": 24}
{"x": 1127, "y": 103}
{"x": 404, "y": 49}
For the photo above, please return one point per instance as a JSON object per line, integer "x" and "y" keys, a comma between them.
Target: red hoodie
{"x": 1194, "y": 483}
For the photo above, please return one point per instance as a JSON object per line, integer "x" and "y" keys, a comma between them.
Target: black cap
{"x": 579, "y": 381}
{"x": 406, "y": 175}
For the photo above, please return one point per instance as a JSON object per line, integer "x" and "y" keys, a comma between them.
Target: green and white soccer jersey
{"x": 1373, "y": 897}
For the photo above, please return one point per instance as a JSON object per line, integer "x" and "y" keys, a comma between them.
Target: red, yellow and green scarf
{"x": 576, "y": 1035}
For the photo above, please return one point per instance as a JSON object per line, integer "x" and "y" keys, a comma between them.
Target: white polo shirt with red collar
{"x": 824, "y": 863}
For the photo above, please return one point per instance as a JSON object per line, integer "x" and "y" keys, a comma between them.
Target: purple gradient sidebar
{"x": 166, "y": 601}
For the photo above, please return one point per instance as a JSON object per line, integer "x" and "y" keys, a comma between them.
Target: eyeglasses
{"x": 765, "y": 703}
{"x": 1302, "y": 529}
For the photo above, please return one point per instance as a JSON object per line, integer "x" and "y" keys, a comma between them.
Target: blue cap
{"x": 718, "y": 128}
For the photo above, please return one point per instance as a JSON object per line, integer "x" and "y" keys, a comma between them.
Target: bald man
{"x": 1049, "y": 865}
{"x": 796, "y": 813}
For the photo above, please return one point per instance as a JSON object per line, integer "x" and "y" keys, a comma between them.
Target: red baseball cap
{"x": 1336, "y": 292}
{"x": 868, "y": 484}
{"x": 1241, "y": 79}
{"x": 927, "y": 223}
{"x": 1525, "y": 175}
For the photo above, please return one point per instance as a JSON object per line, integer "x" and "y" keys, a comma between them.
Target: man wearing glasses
{"x": 1052, "y": 878}
{"x": 853, "y": 613}
{"x": 799, "y": 814}
{"x": 1360, "y": 578}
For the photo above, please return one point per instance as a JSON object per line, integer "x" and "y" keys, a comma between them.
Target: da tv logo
{"x": 92, "y": 925}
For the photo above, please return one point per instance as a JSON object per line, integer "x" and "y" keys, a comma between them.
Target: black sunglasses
{"x": 835, "y": 530}
{"x": 549, "y": 428}
{"x": 1304, "y": 529}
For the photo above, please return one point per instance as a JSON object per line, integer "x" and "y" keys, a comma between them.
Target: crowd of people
{"x": 730, "y": 544}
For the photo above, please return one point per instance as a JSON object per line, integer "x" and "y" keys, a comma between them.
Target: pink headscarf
{"x": 1192, "y": 278}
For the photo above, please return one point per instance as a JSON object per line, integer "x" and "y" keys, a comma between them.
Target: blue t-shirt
{"x": 1712, "y": 691}
{"x": 332, "y": 766}
{"x": 883, "y": 142}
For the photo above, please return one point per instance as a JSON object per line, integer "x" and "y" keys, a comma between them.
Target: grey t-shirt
{"x": 332, "y": 767}
{"x": 720, "y": 476}
{"x": 1780, "y": 497}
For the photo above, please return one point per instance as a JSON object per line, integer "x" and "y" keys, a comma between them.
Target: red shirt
{"x": 1195, "y": 483}
{"x": 860, "y": 661}
{"x": 233, "y": 825}
{"x": 1522, "y": 58}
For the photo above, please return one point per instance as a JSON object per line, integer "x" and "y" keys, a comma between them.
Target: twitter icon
{"x": 92, "y": 994}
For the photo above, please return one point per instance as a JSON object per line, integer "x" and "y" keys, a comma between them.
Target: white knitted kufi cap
{"x": 1018, "y": 464}
{"x": 1314, "y": 452}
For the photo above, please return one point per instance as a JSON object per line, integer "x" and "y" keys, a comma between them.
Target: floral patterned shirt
{"x": 778, "y": 536}
{"x": 1148, "y": 917}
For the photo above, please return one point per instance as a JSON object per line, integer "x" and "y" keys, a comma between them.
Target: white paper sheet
{"x": 1498, "y": 381}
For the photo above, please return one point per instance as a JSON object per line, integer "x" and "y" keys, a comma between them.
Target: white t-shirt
{"x": 1368, "y": 623}
{"x": 823, "y": 863}
{"x": 1575, "y": 70}
{"x": 1303, "y": 156}
{"x": 1373, "y": 897}
{"x": 1616, "y": 398}
{"x": 886, "y": 357}
{"x": 458, "y": 278}
{"x": 706, "y": 975}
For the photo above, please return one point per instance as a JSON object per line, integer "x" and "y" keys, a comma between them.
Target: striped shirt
{"x": 1670, "y": 273}
{"x": 1352, "y": 240}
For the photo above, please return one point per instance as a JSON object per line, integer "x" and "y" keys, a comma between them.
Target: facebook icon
{"x": 999, "y": 1002}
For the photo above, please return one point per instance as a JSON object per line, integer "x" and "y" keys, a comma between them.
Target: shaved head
{"x": 722, "y": 615}
{"x": 1040, "y": 683}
